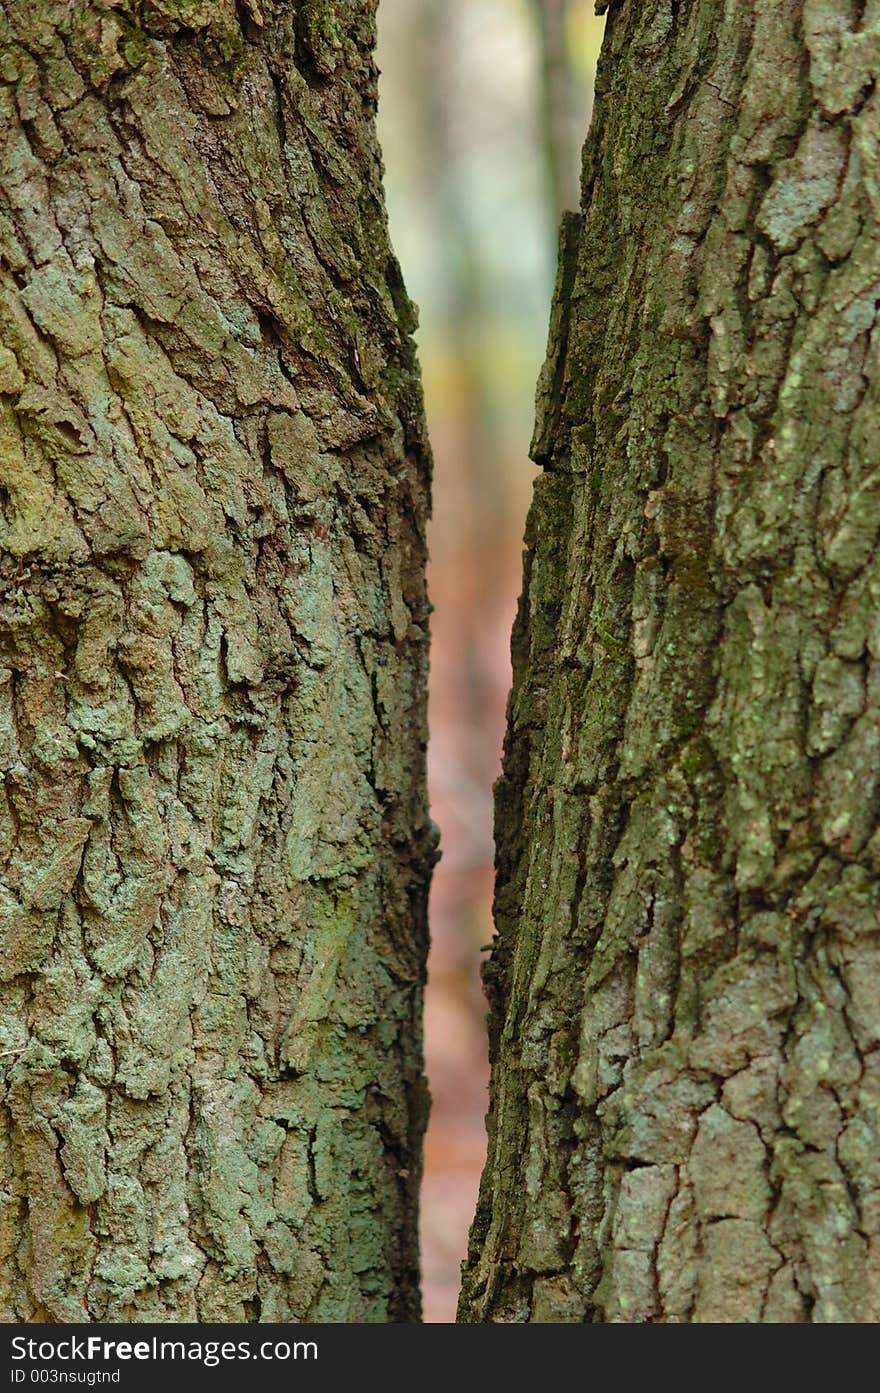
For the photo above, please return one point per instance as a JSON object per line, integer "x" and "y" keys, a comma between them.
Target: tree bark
{"x": 685, "y": 991}
{"x": 213, "y": 831}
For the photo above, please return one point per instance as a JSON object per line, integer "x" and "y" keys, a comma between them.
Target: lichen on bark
{"x": 685, "y": 987}
{"x": 213, "y": 626}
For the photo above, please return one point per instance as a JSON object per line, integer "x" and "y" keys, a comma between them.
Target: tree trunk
{"x": 556, "y": 82}
{"x": 685, "y": 991}
{"x": 214, "y": 838}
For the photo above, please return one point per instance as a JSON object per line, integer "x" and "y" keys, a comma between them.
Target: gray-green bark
{"x": 685, "y": 991}
{"x": 213, "y": 834}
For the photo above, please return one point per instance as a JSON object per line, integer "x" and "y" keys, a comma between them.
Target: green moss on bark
{"x": 214, "y": 845}
{"x": 684, "y": 986}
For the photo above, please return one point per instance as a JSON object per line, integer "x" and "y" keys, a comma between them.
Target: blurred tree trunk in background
{"x": 685, "y": 990}
{"x": 557, "y": 105}
{"x": 214, "y": 839}
{"x": 465, "y": 314}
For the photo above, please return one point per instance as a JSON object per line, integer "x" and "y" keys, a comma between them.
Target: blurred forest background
{"x": 483, "y": 109}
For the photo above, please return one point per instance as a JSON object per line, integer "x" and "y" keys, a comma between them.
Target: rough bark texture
{"x": 213, "y": 830}
{"x": 686, "y": 987}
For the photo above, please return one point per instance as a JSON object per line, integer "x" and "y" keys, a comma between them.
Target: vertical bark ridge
{"x": 213, "y": 830}
{"x": 684, "y": 1010}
